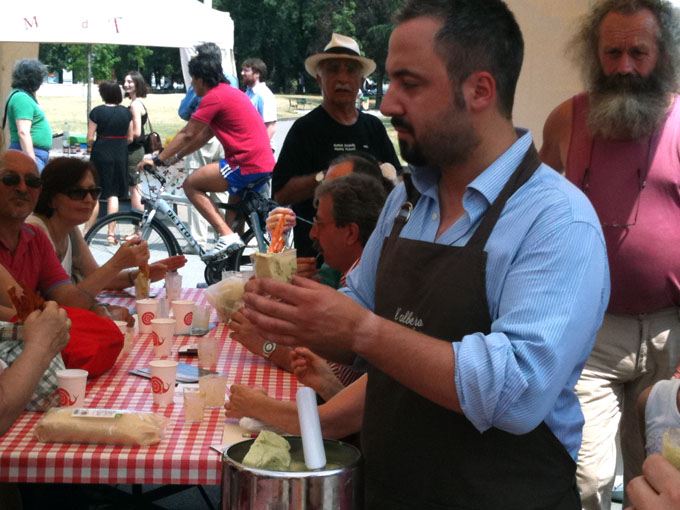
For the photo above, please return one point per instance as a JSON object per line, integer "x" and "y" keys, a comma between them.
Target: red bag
{"x": 95, "y": 342}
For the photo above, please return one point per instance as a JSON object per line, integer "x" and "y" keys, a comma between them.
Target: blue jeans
{"x": 41, "y": 155}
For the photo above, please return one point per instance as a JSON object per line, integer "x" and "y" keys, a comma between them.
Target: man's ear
{"x": 353, "y": 234}
{"x": 479, "y": 91}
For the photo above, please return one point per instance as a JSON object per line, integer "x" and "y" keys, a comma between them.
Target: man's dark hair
{"x": 476, "y": 35}
{"x": 257, "y": 66}
{"x": 357, "y": 198}
{"x": 59, "y": 176}
{"x": 141, "y": 88}
{"x": 364, "y": 163}
{"x": 586, "y": 41}
{"x": 207, "y": 65}
{"x": 28, "y": 75}
{"x": 110, "y": 92}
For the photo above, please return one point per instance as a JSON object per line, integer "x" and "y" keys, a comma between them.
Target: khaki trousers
{"x": 631, "y": 352}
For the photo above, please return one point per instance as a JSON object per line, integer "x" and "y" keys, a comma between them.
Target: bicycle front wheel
{"x": 162, "y": 244}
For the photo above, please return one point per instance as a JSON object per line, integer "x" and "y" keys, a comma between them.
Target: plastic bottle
{"x": 65, "y": 140}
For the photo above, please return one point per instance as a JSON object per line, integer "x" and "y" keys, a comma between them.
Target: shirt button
{"x": 434, "y": 216}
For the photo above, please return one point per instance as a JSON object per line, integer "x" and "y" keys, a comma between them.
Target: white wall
{"x": 548, "y": 75}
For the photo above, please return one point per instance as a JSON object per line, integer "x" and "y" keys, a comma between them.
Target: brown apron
{"x": 419, "y": 455}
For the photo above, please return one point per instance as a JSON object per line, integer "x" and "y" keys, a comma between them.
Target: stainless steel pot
{"x": 246, "y": 488}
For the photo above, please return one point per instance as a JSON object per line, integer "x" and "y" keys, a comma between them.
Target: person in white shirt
{"x": 254, "y": 74}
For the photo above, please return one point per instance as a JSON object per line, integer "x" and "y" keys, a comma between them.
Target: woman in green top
{"x": 28, "y": 128}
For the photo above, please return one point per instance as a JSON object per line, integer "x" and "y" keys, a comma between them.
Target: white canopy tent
{"x": 169, "y": 23}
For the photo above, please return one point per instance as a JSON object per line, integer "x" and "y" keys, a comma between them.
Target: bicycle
{"x": 252, "y": 211}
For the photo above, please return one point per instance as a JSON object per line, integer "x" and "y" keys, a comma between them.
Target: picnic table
{"x": 183, "y": 457}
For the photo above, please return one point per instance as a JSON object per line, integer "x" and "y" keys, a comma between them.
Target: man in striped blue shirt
{"x": 478, "y": 295}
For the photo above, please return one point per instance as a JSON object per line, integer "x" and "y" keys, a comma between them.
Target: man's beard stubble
{"x": 449, "y": 140}
{"x": 627, "y": 107}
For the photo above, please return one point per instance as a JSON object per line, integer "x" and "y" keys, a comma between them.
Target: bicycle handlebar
{"x": 148, "y": 168}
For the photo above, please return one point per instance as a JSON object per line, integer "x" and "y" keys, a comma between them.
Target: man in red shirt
{"x": 25, "y": 250}
{"x": 228, "y": 114}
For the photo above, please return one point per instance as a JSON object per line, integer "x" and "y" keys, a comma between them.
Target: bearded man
{"x": 619, "y": 142}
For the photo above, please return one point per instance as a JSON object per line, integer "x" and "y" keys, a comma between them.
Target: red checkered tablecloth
{"x": 182, "y": 457}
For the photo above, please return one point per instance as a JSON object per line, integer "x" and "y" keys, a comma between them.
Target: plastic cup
{"x": 208, "y": 348}
{"x": 163, "y": 375}
{"x": 671, "y": 446}
{"x": 183, "y": 311}
{"x": 173, "y": 285}
{"x": 200, "y": 322}
{"x": 163, "y": 308}
{"x": 215, "y": 387}
{"x": 72, "y": 383}
{"x": 147, "y": 310}
{"x": 162, "y": 331}
{"x": 194, "y": 404}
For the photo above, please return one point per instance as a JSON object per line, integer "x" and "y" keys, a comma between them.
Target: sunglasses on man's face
{"x": 81, "y": 193}
{"x": 31, "y": 181}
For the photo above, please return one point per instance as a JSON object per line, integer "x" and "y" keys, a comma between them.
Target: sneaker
{"x": 222, "y": 250}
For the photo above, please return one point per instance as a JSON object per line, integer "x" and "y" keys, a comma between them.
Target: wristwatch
{"x": 268, "y": 349}
{"x": 157, "y": 161}
{"x": 320, "y": 176}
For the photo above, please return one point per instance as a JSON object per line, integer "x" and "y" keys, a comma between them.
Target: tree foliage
{"x": 280, "y": 32}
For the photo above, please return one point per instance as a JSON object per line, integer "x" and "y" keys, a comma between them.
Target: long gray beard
{"x": 617, "y": 116}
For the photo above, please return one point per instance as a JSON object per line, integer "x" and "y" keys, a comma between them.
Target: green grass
{"x": 162, "y": 110}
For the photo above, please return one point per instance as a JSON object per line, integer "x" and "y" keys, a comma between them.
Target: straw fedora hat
{"x": 340, "y": 46}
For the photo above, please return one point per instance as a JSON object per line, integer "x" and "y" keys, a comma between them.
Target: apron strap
{"x": 404, "y": 213}
{"x": 522, "y": 174}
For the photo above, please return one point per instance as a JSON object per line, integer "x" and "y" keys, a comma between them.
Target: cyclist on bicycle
{"x": 229, "y": 114}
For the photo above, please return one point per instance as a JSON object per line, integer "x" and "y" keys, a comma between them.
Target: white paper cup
{"x": 183, "y": 311}
{"x": 163, "y": 375}
{"x": 162, "y": 331}
{"x": 173, "y": 285}
{"x": 146, "y": 311}
{"x": 72, "y": 383}
{"x": 208, "y": 349}
{"x": 122, "y": 325}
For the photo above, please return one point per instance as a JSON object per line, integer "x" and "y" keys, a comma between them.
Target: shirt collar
{"x": 487, "y": 185}
{"x": 25, "y": 236}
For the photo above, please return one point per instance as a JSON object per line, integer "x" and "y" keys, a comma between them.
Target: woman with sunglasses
{"x": 70, "y": 189}
{"x": 113, "y": 125}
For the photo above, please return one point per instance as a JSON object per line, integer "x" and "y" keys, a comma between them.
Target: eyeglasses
{"x": 642, "y": 182}
{"x": 31, "y": 181}
{"x": 81, "y": 193}
{"x": 321, "y": 223}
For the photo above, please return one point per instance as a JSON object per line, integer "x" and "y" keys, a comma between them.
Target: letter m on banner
{"x": 29, "y": 25}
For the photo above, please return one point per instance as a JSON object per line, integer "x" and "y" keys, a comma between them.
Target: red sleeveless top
{"x": 635, "y": 189}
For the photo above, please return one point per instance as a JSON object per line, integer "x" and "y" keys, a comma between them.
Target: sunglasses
{"x": 31, "y": 181}
{"x": 81, "y": 193}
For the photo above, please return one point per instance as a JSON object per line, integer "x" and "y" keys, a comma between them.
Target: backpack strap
{"x": 4, "y": 118}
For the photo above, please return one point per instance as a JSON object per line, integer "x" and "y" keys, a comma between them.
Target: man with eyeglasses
{"x": 25, "y": 250}
{"x": 333, "y": 128}
{"x": 619, "y": 142}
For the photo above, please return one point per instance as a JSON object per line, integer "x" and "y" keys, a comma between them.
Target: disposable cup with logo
{"x": 122, "y": 325}
{"x": 146, "y": 311}
{"x": 162, "y": 331}
{"x": 208, "y": 348}
{"x": 183, "y": 311}
{"x": 163, "y": 374}
{"x": 72, "y": 383}
{"x": 215, "y": 387}
{"x": 194, "y": 404}
{"x": 200, "y": 322}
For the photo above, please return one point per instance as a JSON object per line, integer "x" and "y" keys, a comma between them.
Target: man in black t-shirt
{"x": 334, "y": 127}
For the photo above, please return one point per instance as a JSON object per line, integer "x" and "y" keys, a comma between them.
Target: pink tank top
{"x": 641, "y": 226}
